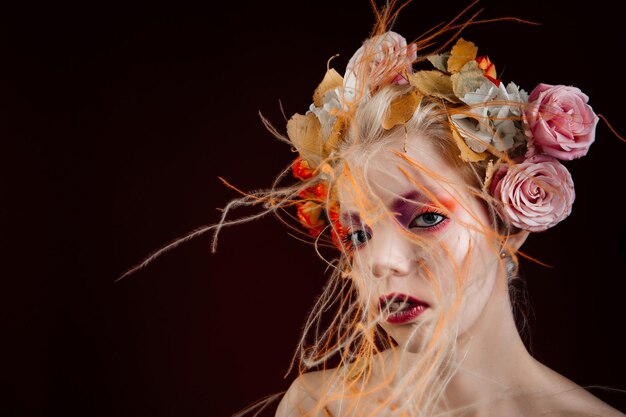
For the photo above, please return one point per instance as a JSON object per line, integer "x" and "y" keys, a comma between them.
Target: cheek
{"x": 464, "y": 262}
{"x": 361, "y": 283}
{"x": 466, "y": 241}
{"x": 447, "y": 261}
{"x": 481, "y": 267}
{"x": 368, "y": 287}
{"x": 358, "y": 266}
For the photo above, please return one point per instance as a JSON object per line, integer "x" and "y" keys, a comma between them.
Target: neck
{"x": 493, "y": 361}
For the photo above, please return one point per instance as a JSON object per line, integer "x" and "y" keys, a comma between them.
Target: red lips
{"x": 401, "y": 308}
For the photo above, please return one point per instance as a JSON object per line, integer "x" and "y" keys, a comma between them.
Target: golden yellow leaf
{"x": 467, "y": 154}
{"x": 462, "y": 52}
{"x": 401, "y": 109}
{"x": 433, "y": 83}
{"x": 331, "y": 80}
{"x": 304, "y": 133}
{"x": 468, "y": 80}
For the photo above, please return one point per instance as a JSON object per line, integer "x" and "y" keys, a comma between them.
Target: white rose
{"x": 379, "y": 61}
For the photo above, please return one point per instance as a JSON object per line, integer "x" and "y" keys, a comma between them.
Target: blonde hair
{"x": 353, "y": 333}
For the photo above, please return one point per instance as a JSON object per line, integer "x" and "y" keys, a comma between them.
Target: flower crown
{"x": 519, "y": 137}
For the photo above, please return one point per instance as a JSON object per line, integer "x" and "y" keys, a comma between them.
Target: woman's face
{"x": 411, "y": 266}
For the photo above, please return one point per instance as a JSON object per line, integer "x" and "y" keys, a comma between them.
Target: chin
{"x": 411, "y": 338}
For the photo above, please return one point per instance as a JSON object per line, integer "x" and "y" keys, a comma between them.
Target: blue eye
{"x": 358, "y": 238}
{"x": 428, "y": 219}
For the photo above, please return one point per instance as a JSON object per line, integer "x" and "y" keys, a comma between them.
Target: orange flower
{"x": 485, "y": 64}
{"x": 338, "y": 232}
{"x": 300, "y": 169}
{"x": 311, "y": 216}
{"x": 314, "y": 217}
{"x": 318, "y": 192}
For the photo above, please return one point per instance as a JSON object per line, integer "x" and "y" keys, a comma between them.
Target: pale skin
{"x": 495, "y": 359}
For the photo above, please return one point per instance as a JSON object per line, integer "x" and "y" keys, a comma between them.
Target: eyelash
{"x": 430, "y": 210}
{"x": 347, "y": 238}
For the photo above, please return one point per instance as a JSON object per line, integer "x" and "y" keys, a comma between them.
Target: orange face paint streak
{"x": 448, "y": 203}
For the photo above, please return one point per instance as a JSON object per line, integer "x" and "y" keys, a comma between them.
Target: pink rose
{"x": 535, "y": 194}
{"x": 381, "y": 60}
{"x": 561, "y": 122}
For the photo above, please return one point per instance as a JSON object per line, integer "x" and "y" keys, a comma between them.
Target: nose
{"x": 389, "y": 251}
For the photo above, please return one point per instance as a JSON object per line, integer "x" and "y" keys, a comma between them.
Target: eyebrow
{"x": 398, "y": 205}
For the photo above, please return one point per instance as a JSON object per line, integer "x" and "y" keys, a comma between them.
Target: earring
{"x": 503, "y": 254}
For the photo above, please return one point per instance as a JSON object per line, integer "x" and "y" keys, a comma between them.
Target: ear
{"x": 516, "y": 239}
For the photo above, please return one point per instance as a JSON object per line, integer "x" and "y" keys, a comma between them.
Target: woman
{"x": 432, "y": 259}
{"x": 428, "y": 181}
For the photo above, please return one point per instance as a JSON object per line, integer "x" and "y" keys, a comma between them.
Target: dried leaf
{"x": 331, "y": 80}
{"x": 488, "y": 175}
{"x": 467, "y": 154}
{"x": 335, "y": 135}
{"x": 401, "y": 109}
{"x": 468, "y": 80}
{"x": 304, "y": 133}
{"x": 462, "y": 52}
{"x": 439, "y": 61}
{"x": 434, "y": 83}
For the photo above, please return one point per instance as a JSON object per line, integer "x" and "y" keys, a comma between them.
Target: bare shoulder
{"x": 568, "y": 399}
{"x": 581, "y": 403}
{"x": 302, "y": 396}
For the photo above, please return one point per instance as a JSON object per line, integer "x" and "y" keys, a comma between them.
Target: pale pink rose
{"x": 381, "y": 60}
{"x": 561, "y": 122}
{"x": 535, "y": 194}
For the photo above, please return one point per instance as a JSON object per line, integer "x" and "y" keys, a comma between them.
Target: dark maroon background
{"x": 117, "y": 120}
